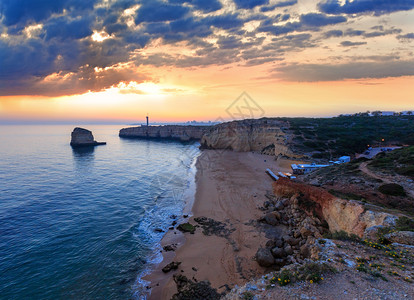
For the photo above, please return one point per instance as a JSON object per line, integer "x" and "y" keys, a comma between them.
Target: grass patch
{"x": 247, "y": 296}
{"x": 346, "y": 196}
{"x": 404, "y": 224}
{"x": 342, "y": 236}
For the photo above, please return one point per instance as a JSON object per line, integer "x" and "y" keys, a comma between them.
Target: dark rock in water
{"x": 186, "y": 227}
{"x": 171, "y": 266}
{"x": 82, "y": 137}
{"x": 190, "y": 290}
{"x": 158, "y": 230}
{"x": 174, "y": 223}
{"x": 264, "y": 257}
{"x": 169, "y": 248}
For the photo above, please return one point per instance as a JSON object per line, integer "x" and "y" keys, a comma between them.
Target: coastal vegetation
{"x": 345, "y": 135}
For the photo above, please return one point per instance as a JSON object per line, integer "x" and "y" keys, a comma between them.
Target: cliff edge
{"x": 175, "y": 132}
{"x": 266, "y": 136}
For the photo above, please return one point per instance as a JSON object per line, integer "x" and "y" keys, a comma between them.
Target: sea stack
{"x": 82, "y": 137}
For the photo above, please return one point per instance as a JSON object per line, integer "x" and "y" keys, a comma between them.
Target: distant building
{"x": 305, "y": 168}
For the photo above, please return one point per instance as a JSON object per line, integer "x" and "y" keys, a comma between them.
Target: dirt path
{"x": 364, "y": 168}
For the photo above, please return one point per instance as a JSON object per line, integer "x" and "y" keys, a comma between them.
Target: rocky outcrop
{"x": 82, "y": 137}
{"x": 266, "y": 136}
{"x": 350, "y": 216}
{"x": 188, "y": 289}
{"x": 173, "y": 132}
{"x": 401, "y": 237}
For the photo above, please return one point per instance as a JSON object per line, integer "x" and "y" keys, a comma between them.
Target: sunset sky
{"x": 180, "y": 60}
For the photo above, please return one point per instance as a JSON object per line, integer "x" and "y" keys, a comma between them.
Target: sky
{"x": 180, "y": 60}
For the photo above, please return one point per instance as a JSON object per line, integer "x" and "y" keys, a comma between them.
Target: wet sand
{"x": 230, "y": 188}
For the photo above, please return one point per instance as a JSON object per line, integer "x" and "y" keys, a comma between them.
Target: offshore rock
{"x": 82, "y": 137}
{"x": 173, "y": 132}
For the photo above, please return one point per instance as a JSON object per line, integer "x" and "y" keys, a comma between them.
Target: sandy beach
{"x": 230, "y": 189}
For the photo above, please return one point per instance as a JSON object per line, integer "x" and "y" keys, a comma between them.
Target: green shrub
{"x": 186, "y": 227}
{"x": 342, "y": 236}
{"x": 405, "y": 224}
{"x": 392, "y": 189}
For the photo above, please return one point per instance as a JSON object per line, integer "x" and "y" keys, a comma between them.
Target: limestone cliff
{"x": 175, "y": 132}
{"x": 350, "y": 216}
{"x": 81, "y": 137}
{"x": 267, "y": 136}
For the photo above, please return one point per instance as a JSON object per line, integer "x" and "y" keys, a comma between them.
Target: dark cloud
{"x": 333, "y": 33}
{"x": 318, "y": 20}
{"x": 248, "y": 4}
{"x": 376, "y": 7}
{"x": 25, "y": 11}
{"x": 354, "y": 70}
{"x": 159, "y": 11}
{"x": 64, "y": 28}
{"x": 406, "y": 37}
{"x": 353, "y": 32}
{"x": 203, "y": 5}
{"x": 382, "y": 32}
{"x": 60, "y": 56}
{"x": 279, "y": 4}
{"x": 351, "y": 44}
{"x": 311, "y": 21}
{"x": 64, "y": 83}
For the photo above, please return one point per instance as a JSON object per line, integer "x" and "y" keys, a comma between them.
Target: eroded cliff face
{"x": 264, "y": 136}
{"x": 350, "y": 216}
{"x": 176, "y": 132}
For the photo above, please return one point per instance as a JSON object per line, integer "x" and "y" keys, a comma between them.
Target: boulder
{"x": 271, "y": 219}
{"x": 279, "y": 243}
{"x": 278, "y": 252}
{"x": 171, "y": 266}
{"x": 186, "y": 227}
{"x": 270, "y": 244}
{"x": 279, "y": 205}
{"x": 371, "y": 233}
{"x": 292, "y": 241}
{"x": 81, "y": 137}
{"x": 288, "y": 250}
{"x": 264, "y": 257}
{"x": 305, "y": 251}
{"x": 401, "y": 237}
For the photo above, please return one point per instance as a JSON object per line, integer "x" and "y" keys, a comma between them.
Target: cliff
{"x": 82, "y": 137}
{"x": 267, "y": 136}
{"x": 174, "y": 132}
{"x": 347, "y": 215}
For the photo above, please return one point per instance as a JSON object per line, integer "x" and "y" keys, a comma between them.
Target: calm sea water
{"x": 80, "y": 224}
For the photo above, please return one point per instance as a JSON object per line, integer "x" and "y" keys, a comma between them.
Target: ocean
{"x": 80, "y": 224}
